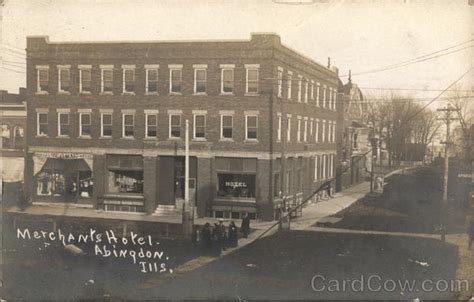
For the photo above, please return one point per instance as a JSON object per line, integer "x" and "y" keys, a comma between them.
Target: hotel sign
{"x": 235, "y": 184}
{"x": 64, "y": 155}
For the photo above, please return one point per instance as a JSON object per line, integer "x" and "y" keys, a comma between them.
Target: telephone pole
{"x": 447, "y": 120}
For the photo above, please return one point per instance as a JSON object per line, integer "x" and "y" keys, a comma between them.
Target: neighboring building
{"x": 108, "y": 121}
{"x": 354, "y": 139}
{"x": 13, "y": 121}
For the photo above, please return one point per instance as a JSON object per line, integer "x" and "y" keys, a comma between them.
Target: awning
{"x": 64, "y": 164}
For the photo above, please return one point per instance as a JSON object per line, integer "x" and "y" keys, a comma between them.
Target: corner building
{"x": 107, "y": 125}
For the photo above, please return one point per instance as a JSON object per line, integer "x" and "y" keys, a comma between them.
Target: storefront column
{"x": 29, "y": 181}
{"x": 99, "y": 175}
{"x": 204, "y": 185}
{"x": 149, "y": 183}
{"x": 263, "y": 190}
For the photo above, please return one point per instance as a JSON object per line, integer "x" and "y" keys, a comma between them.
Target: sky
{"x": 357, "y": 35}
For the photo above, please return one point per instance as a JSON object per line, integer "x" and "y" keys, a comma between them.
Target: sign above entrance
{"x": 64, "y": 155}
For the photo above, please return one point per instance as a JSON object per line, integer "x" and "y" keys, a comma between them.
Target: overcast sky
{"x": 357, "y": 35}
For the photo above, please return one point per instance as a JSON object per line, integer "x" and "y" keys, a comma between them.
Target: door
{"x": 71, "y": 187}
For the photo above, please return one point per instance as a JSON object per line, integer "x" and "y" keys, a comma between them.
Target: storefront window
{"x": 50, "y": 184}
{"x": 126, "y": 182}
{"x": 236, "y": 185}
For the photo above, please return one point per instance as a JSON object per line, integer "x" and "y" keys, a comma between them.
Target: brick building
{"x": 13, "y": 121}
{"x": 107, "y": 123}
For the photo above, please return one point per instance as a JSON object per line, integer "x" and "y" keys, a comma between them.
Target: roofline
{"x": 308, "y": 58}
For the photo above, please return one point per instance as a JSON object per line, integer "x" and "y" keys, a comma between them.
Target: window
{"x": 175, "y": 80}
{"x": 251, "y": 127}
{"x": 106, "y": 125}
{"x": 288, "y": 128}
{"x": 236, "y": 177}
{"x": 330, "y": 99}
{"x": 306, "y": 85}
{"x": 127, "y": 125}
{"x": 151, "y": 130}
{"x": 334, "y": 96}
{"x": 200, "y": 80}
{"x": 42, "y": 126}
{"x": 305, "y": 130}
{"x": 324, "y": 96}
{"x": 324, "y": 131}
{"x": 252, "y": 79}
{"x": 128, "y": 79}
{"x": 312, "y": 90}
{"x": 175, "y": 126}
{"x": 300, "y": 85}
{"x": 318, "y": 95}
{"x": 288, "y": 182}
{"x": 316, "y": 159}
{"x": 125, "y": 174}
{"x": 334, "y": 132}
{"x": 324, "y": 167}
{"x": 63, "y": 79}
{"x": 311, "y": 127}
{"x": 279, "y": 81}
{"x": 85, "y": 79}
{"x": 42, "y": 79}
{"x": 290, "y": 75}
{"x": 316, "y": 132}
{"x": 63, "y": 124}
{"x": 85, "y": 124}
{"x": 200, "y": 126}
{"x": 279, "y": 128}
{"x": 227, "y": 81}
{"x": 151, "y": 79}
{"x": 226, "y": 126}
{"x": 298, "y": 131}
{"x": 107, "y": 80}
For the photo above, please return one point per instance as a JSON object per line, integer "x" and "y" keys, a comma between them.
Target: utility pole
{"x": 447, "y": 119}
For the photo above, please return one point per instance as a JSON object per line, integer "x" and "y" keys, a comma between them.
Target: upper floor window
{"x": 316, "y": 131}
{"x": 200, "y": 79}
{"x": 298, "y": 130}
{"x": 128, "y": 121}
{"x": 290, "y": 79}
{"x": 311, "y": 127}
{"x": 176, "y": 78}
{"x": 128, "y": 79}
{"x": 107, "y": 76}
{"x": 64, "y": 78}
{"x": 288, "y": 128}
{"x": 324, "y": 96}
{"x": 334, "y": 96}
{"x": 85, "y": 124}
{"x": 226, "y": 126}
{"x": 318, "y": 94}
{"x": 42, "y": 124}
{"x": 251, "y": 127}
{"x": 63, "y": 123}
{"x": 106, "y": 125}
{"x": 305, "y": 130}
{"x": 199, "y": 126}
{"x": 323, "y": 138}
{"x": 279, "y": 127}
{"x": 252, "y": 78}
{"x": 151, "y": 120}
{"x": 306, "y": 85}
{"x": 279, "y": 81}
{"x": 85, "y": 78}
{"x": 227, "y": 78}
{"x": 312, "y": 90}
{"x": 175, "y": 125}
{"x": 42, "y": 78}
{"x": 300, "y": 85}
{"x": 151, "y": 79}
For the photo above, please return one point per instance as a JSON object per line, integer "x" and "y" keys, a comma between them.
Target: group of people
{"x": 212, "y": 240}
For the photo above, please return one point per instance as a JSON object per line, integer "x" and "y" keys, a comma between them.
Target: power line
{"x": 410, "y": 63}
{"x": 414, "y": 89}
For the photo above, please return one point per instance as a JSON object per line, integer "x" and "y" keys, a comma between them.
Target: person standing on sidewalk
{"x": 232, "y": 234}
{"x": 245, "y": 226}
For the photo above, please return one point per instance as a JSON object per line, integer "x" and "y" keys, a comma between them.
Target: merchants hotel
{"x": 106, "y": 125}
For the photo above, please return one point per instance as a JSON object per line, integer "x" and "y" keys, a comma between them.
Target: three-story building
{"x": 107, "y": 121}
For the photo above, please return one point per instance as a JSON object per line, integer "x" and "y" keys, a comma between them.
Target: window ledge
{"x": 42, "y": 93}
{"x": 227, "y": 93}
{"x": 85, "y": 92}
{"x": 128, "y": 93}
{"x": 151, "y": 93}
{"x": 200, "y": 93}
{"x": 226, "y": 140}
{"x": 85, "y": 137}
{"x": 63, "y": 136}
{"x": 174, "y": 138}
{"x": 175, "y": 93}
{"x": 252, "y": 94}
{"x": 128, "y": 138}
{"x": 198, "y": 139}
{"x": 64, "y": 92}
{"x": 105, "y": 137}
{"x": 251, "y": 141}
{"x": 42, "y": 136}
{"x": 106, "y": 93}
{"x": 151, "y": 138}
